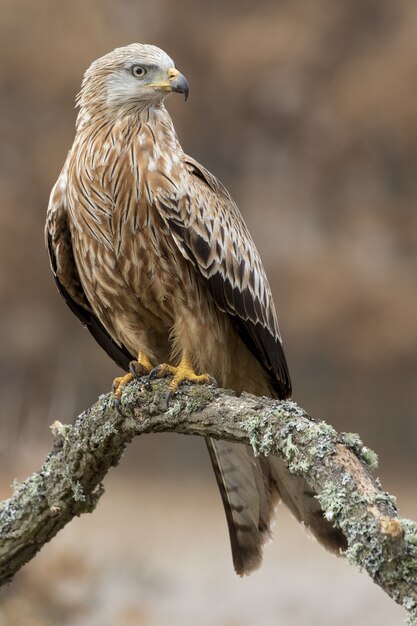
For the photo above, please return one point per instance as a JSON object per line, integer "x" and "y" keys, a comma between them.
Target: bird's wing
{"x": 59, "y": 245}
{"x": 210, "y": 232}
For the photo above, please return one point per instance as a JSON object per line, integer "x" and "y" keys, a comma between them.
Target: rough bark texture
{"x": 337, "y": 467}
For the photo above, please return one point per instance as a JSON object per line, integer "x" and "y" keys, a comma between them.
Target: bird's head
{"x": 135, "y": 77}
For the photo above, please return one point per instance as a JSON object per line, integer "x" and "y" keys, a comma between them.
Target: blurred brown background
{"x": 307, "y": 111}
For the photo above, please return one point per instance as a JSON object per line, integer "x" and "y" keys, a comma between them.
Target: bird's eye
{"x": 138, "y": 71}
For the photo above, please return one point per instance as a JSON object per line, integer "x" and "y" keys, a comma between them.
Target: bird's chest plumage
{"x": 128, "y": 262}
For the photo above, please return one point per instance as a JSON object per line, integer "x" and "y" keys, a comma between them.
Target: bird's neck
{"x": 131, "y": 113}
{"x": 151, "y": 129}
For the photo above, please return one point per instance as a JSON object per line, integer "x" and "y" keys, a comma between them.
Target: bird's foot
{"x": 183, "y": 372}
{"x": 119, "y": 384}
{"x": 138, "y": 368}
{"x": 142, "y": 366}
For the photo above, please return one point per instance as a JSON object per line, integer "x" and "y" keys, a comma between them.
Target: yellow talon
{"x": 120, "y": 383}
{"x": 182, "y": 375}
{"x": 183, "y": 372}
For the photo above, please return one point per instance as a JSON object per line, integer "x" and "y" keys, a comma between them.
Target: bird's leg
{"x": 184, "y": 371}
{"x": 137, "y": 369}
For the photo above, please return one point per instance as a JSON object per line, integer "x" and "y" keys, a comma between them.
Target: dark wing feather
{"x": 210, "y": 232}
{"x": 59, "y": 245}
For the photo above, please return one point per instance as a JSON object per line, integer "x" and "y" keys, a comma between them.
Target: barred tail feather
{"x": 248, "y": 501}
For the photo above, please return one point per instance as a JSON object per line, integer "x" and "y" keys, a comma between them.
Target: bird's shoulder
{"x": 210, "y": 231}
{"x": 200, "y": 200}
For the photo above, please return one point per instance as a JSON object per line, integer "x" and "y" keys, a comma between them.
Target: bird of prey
{"x": 152, "y": 255}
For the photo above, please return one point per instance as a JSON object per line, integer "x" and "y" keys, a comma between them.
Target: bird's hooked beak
{"x": 178, "y": 82}
{"x": 175, "y": 82}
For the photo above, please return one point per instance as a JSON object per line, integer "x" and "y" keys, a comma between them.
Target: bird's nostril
{"x": 173, "y": 73}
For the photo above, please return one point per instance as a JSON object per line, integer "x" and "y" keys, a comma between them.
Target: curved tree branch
{"x": 335, "y": 466}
